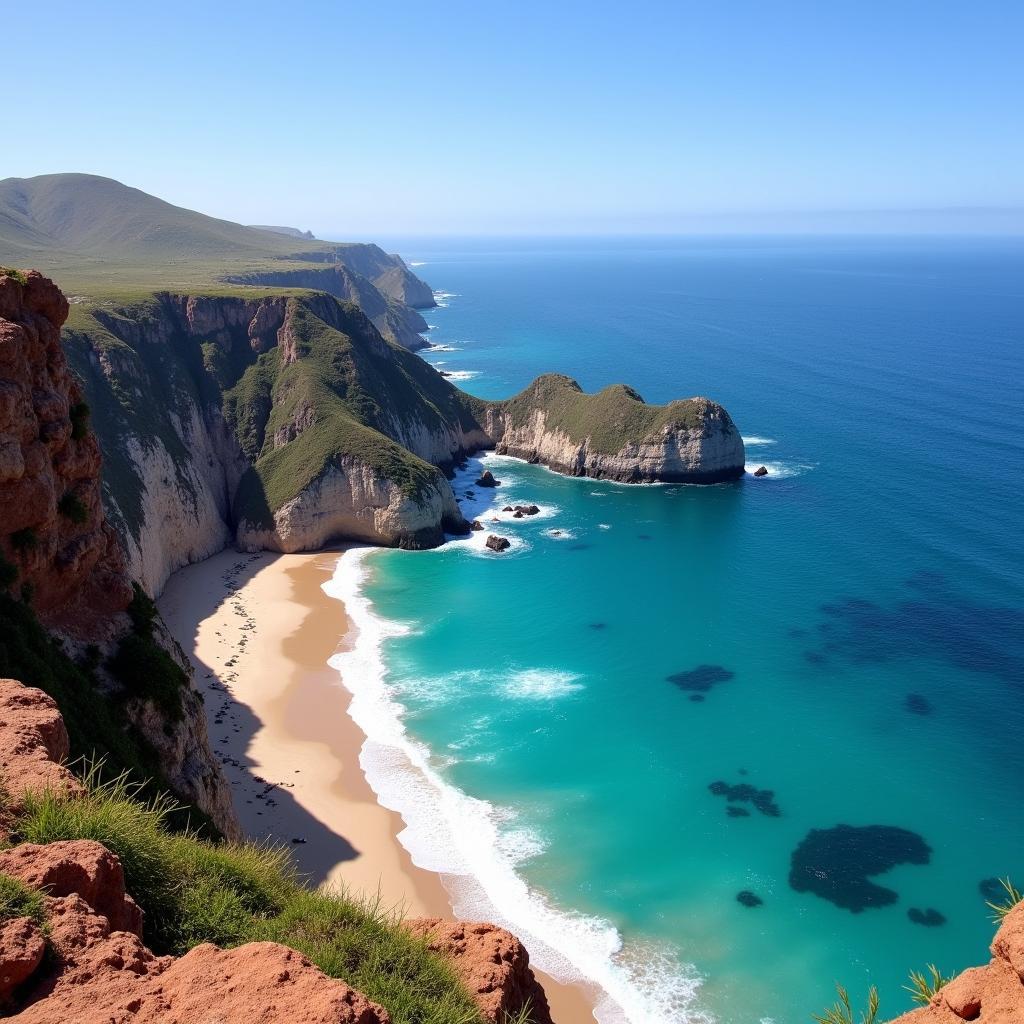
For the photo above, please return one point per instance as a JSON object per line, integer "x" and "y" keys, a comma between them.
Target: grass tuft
{"x": 193, "y": 891}
{"x": 18, "y": 900}
{"x": 841, "y": 1012}
{"x": 923, "y": 986}
{"x": 1013, "y": 897}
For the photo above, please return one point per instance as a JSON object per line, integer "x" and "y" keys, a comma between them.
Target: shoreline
{"x": 259, "y": 630}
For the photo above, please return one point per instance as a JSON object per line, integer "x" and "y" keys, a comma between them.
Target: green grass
{"x": 95, "y": 722}
{"x": 924, "y": 986}
{"x": 841, "y": 1012}
{"x": 192, "y": 892}
{"x": 18, "y": 275}
{"x": 611, "y": 419}
{"x": 141, "y": 665}
{"x": 18, "y": 900}
{"x": 1013, "y": 897}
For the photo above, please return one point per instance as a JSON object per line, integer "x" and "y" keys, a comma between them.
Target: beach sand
{"x": 259, "y": 631}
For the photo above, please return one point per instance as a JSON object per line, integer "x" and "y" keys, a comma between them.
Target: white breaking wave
{"x": 556, "y": 533}
{"x": 604, "y": 526}
{"x": 460, "y": 374}
{"x": 443, "y": 299}
{"x": 779, "y": 470}
{"x": 442, "y": 348}
{"x": 450, "y": 832}
{"x": 541, "y": 684}
{"x": 417, "y": 263}
{"x": 752, "y": 441}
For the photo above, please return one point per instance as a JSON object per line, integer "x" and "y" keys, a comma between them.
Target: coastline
{"x": 259, "y": 630}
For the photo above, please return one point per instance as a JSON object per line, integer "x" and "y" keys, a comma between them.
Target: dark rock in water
{"x": 928, "y": 918}
{"x": 517, "y": 514}
{"x": 732, "y": 811}
{"x": 992, "y": 890}
{"x": 476, "y": 525}
{"x": 498, "y": 543}
{"x": 527, "y": 510}
{"x": 761, "y": 471}
{"x": 749, "y": 899}
{"x": 745, "y": 793}
{"x": 598, "y": 625}
{"x": 487, "y": 480}
{"x": 555, "y": 533}
{"x": 697, "y": 698}
{"x": 701, "y": 678}
{"x": 444, "y": 373}
{"x": 917, "y": 705}
{"x": 838, "y": 863}
{"x": 508, "y": 508}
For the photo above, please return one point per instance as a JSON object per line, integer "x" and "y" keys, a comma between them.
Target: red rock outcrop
{"x": 33, "y": 743}
{"x": 993, "y": 994}
{"x": 493, "y": 964}
{"x": 53, "y": 527}
{"x": 79, "y": 866}
{"x": 21, "y": 952}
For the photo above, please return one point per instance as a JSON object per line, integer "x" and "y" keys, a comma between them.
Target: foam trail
{"x": 752, "y": 441}
{"x": 779, "y": 470}
{"x": 449, "y": 831}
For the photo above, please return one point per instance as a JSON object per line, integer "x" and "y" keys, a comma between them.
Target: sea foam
{"x": 450, "y": 832}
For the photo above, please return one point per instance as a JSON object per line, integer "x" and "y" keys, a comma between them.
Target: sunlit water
{"x": 847, "y": 632}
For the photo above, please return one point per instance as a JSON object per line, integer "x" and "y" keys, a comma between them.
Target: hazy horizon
{"x": 576, "y": 119}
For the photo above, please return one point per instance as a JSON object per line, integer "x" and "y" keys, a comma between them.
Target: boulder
{"x": 21, "y": 952}
{"x": 498, "y": 543}
{"x": 486, "y": 479}
{"x": 79, "y": 866}
{"x": 33, "y": 742}
{"x": 761, "y": 471}
{"x": 528, "y": 510}
{"x": 493, "y": 964}
{"x": 476, "y": 525}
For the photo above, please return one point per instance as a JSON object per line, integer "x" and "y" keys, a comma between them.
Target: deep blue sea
{"x": 665, "y": 696}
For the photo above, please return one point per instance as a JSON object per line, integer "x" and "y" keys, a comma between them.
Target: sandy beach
{"x": 259, "y": 631}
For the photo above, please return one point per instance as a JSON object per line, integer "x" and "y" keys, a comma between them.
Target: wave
{"x": 541, "y": 684}
{"x": 450, "y": 832}
{"x": 443, "y": 299}
{"x": 779, "y": 470}
{"x": 417, "y": 263}
{"x": 752, "y": 441}
{"x": 556, "y": 533}
{"x": 460, "y": 374}
{"x": 441, "y": 348}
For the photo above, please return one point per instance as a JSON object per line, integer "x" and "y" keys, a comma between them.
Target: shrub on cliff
{"x": 193, "y": 892}
{"x": 143, "y": 667}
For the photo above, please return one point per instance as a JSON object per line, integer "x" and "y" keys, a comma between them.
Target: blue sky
{"x": 499, "y": 117}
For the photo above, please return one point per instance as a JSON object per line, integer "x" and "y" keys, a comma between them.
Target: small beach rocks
{"x": 498, "y": 544}
{"x": 476, "y": 525}
{"x": 761, "y": 471}
{"x": 486, "y": 479}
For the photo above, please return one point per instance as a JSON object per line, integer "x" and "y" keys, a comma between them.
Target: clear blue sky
{"x": 562, "y": 117}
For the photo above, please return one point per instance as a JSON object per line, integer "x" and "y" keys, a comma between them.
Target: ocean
{"x": 718, "y": 748}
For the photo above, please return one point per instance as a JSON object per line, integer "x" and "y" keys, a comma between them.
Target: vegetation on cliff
{"x": 194, "y": 891}
{"x": 609, "y": 420}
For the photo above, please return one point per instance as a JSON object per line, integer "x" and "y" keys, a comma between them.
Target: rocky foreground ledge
{"x": 90, "y": 964}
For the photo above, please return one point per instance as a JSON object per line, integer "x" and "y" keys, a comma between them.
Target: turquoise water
{"x": 862, "y": 608}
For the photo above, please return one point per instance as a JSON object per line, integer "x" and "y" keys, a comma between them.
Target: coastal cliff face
{"x": 615, "y": 435}
{"x": 57, "y": 550}
{"x": 54, "y": 538}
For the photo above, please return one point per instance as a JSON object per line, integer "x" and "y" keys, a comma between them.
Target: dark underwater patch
{"x": 579, "y": 547}
{"x": 838, "y": 863}
{"x": 701, "y": 679}
{"x": 749, "y": 899}
{"x": 697, "y": 698}
{"x": 992, "y": 890}
{"x": 935, "y": 622}
{"x": 735, "y": 811}
{"x": 917, "y": 705}
{"x": 927, "y": 918}
{"x": 598, "y": 625}
{"x": 745, "y": 793}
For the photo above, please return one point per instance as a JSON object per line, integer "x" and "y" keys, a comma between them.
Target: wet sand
{"x": 259, "y": 630}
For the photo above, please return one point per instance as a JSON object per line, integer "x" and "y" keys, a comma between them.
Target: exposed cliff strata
{"x": 615, "y": 435}
{"x": 57, "y": 551}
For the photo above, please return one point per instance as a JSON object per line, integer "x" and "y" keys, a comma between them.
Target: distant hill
{"x": 291, "y": 232}
{"x": 99, "y": 238}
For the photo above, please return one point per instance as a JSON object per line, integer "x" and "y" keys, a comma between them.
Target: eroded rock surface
{"x": 993, "y": 994}
{"x": 493, "y": 964}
